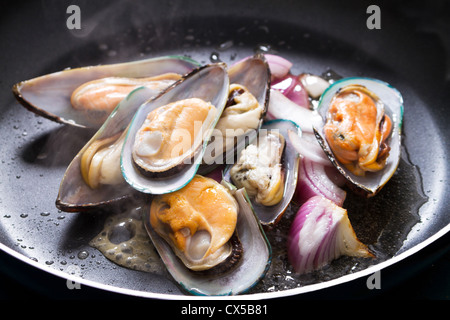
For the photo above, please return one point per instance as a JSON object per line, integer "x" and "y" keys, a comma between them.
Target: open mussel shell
{"x": 253, "y": 266}
{"x": 253, "y": 73}
{"x": 209, "y": 83}
{"x": 50, "y": 95}
{"x": 371, "y": 183}
{"x": 269, "y": 216}
{"x": 74, "y": 193}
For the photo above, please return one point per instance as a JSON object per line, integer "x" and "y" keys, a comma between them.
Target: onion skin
{"x": 320, "y": 233}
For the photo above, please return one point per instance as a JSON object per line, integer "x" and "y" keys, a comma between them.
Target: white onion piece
{"x": 308, "y": 147}
{"x": 314, "y": 85}
{"x": 313, "y": 180}
{"x": 281, "y": 107}
{"x": 321, "y": 232}
{"x": 279, "y": 66}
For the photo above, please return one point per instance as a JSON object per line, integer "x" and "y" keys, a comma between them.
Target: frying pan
{"x": 411, "y": 51}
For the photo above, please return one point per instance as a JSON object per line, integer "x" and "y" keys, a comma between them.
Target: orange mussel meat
{"x": 357, "y": 130}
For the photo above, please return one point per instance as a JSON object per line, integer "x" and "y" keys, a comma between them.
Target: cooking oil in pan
{"x": 124, "y": 241}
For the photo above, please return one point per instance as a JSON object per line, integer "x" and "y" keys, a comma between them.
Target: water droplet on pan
{"x": 83, "y": 254}
{"x": 214, "y": 57}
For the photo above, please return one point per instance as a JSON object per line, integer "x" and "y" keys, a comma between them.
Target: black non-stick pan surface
{"x": 42, "y": 247}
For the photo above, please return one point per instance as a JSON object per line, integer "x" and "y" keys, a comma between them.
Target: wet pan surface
{"x": 318, "y": 37}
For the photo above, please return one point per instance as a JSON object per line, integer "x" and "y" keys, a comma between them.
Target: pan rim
{"x": 246, "y": 296}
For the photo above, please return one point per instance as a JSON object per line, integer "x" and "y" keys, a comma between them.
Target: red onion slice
{"x": 216, "y": 174}
{"x": 317, "y": 175}
{"x": 293, "y": 89}
{"x": 320, "y": 233}
{"x": 279, "y": 66}
{"x": 314, "y": 180}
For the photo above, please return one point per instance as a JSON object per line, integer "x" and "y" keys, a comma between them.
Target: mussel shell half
{"x": 372, "y": 182}
{"x": 253, "y": 266}
{"x": 209, "y": 83}
{"x": 74, "y": 194}
{"x": 49, "y": 95}
{"x": 269, "y": 216}
{"x": 254, "y": 74}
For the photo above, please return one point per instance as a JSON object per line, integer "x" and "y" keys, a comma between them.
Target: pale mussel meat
{"x": 85, "y": 96}
{"x": 167, "y": 137}
{"x": 268, "y": 169}
{"x": 93, "y": 179}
